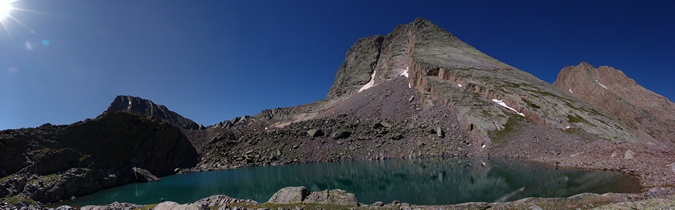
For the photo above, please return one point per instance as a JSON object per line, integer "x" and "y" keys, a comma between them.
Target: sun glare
{"x": 5, "y": 8}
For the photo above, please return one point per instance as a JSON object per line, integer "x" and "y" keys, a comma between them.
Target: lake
{"x": 427, "y": 181}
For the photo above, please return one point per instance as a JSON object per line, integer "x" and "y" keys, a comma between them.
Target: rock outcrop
{"x": 300, "y": 195}
{"x": 57, "y": 162}
{"x": 143, "y": 175}
{"x": 147, "y": 108}
{"x": 289, "y": 195}
{"x": 113, "y": 206}
{"x": 332, "y": 197}
{"x": 649, "y": 116}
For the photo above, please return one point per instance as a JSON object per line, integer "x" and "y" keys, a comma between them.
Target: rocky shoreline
{"x": 301, "y": 198}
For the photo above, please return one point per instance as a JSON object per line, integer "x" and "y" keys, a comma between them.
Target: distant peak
{"x": 146, "y": 108}
{"x": 584, "y": 64}
{"x": 422, "y": 20}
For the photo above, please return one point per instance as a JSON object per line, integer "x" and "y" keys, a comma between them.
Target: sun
{"x": 5, "y": 8}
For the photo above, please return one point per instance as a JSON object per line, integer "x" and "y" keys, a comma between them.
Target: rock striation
{"x": 649, "y": 116}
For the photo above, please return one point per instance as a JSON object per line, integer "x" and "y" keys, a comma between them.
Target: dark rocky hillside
{"x": 51, "y": 163}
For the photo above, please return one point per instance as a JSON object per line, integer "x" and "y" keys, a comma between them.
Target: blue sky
{"x": 215, "y": 60}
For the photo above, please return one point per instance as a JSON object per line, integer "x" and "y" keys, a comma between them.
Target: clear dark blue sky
{"x": 215, "y": 60}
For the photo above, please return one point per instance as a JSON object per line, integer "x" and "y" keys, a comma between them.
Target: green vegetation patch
{"x": 16, "y": 199}
{"x": 84, "y": 157}
{"x": 149, "y": 206}
{"x": 577, "y": 119}
{"x": 531, "y": 104}
{"x": 501, "y": 136}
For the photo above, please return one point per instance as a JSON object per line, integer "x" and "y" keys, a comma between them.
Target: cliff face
{"x": 147, "y": 108}
{"x": 646, "y": 114}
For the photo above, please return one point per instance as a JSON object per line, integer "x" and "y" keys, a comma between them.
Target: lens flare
{"x": 5, "y": 8}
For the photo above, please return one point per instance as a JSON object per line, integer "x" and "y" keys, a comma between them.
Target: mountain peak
{"x": 146, "y": 108}
{"x": 647, "y": 114}
{"x": 380, "y": 58}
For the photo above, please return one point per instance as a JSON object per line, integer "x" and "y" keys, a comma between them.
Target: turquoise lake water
{"x": 428, "y": 181}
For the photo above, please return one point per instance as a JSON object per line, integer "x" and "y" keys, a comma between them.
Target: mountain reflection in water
{"x": 428, "y": 181}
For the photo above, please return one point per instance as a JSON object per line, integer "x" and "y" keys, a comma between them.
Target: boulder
{"x": 169, "y": 205}
{"x": 289, "y": 195}
{"x": 341, "y": 134}
{"x": 314, "y": 132}
{"x": 440, "y": 132}
{"x": 332, "y": 197}
{"x": 144, "y": 175}
{"x": 386, "y": 124}
{"x": 113, "y": 206}
{"x": 628, "y": 155}
{"x": 221, "y": 200}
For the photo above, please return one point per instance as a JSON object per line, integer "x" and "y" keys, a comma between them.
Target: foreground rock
{"x": 331, "y": 197}
{"x": 113, "y": 206}
{"x": 289, "y": 195}
{"x": 298, "y": 195}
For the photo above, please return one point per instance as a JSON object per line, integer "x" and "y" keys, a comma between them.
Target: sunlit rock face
{"x": 484, "y": 92}
{"x": 649, "y": 116}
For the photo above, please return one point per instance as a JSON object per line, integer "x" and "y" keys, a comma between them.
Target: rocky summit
{"x": 147, "y": 108}
{"x": 418, "y": 91}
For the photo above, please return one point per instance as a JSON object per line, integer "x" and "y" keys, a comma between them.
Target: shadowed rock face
{"x": 147, "y": 108}
{"x": 57, "y": 162}
{"x": 648, "y": 115}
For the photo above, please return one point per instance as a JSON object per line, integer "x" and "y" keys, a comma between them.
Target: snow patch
{"x": 404, "y": 72}
{"x": 500, "y": 102}
{"x": 596, "y": 81}
{"x": 369, "y": 84}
